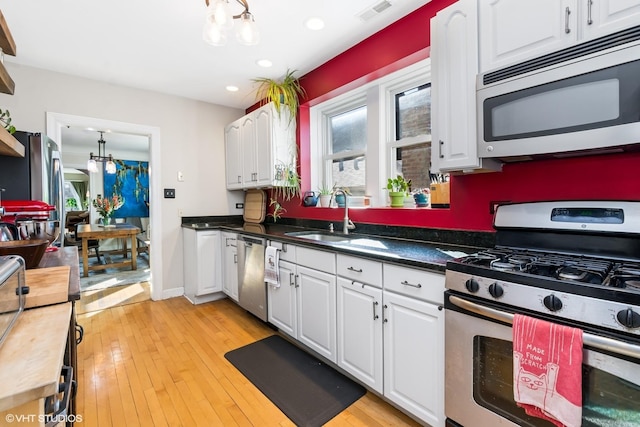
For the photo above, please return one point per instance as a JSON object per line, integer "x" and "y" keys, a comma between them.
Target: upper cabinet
{"x": 259, "y": 148}
{"x": 512, "y": 31}
{"x": 454, "y": 66}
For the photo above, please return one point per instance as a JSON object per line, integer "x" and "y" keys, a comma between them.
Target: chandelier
{"x": 219, "y": 20}
{"x": 109, "y": 167}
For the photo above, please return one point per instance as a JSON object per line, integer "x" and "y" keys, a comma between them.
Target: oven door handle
{"x": 595, "y": 341}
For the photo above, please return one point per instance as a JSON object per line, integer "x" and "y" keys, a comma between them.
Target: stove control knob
{"x": 496, "y": 290}
{"x": 472, "y": 285}
{"x": 629, "y": 318}
{"x": 552, "y": 302}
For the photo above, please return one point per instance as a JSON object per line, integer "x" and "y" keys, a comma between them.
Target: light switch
{"x": 180, "y": 176}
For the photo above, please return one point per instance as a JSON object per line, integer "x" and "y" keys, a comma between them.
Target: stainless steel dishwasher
{"x": 252, "y": 289}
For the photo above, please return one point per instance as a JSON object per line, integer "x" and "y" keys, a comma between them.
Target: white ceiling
{"x": 157, "y": 44}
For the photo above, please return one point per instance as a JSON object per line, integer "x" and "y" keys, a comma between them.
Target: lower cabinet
{"x": 202, "y": 265}
{"x": 230, "y": 265}
{"x": 282, "y": 302}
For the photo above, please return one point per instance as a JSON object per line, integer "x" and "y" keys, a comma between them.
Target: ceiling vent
{"x": 374, "y": 10}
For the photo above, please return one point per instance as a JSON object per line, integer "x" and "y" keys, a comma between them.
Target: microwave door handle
{"x": 595, "y": 341}
{"x": 589, "y": 7}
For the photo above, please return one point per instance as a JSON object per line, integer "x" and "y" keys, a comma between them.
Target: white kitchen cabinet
{"x": 454, "y": 66}
{"x": 202, "y": 265}
{"x": 233, "y": 153}
{"x": 230, "y": 265}
{"x": 413, "y": 319}
{"x": 316, "y": 297}
{"x": 282, "y": 301}
{"x": 266, "y": 147}
{"x": 512, "y": 31}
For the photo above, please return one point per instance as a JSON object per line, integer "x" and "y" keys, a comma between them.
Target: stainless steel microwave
{"x": 583, "y": 98}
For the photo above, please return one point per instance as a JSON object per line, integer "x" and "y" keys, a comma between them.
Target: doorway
{"x": 56, "y": 122}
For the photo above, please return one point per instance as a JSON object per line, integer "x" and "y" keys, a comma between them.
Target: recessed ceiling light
{"x": 232, "y": 88}
{"x": 264, "y": 63}
{"x": 314, "y": 23}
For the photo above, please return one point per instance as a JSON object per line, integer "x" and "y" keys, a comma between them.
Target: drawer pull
{"x": 375, "y": 316}
{"x": 404, "y": 282}
{"x": 291, "y": 280}
{"x": 357, "y": 270}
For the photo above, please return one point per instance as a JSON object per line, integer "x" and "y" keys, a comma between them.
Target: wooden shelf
{"x": 8, "y": 47}
{"x": 9, "y": 146}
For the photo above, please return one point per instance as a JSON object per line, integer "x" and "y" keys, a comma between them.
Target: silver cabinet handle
{"x": 404, "y": 282}
{"x": 589, "y": 6}
{"x": 567, "y": 12}
{"x": 291, "y": 280}
{"x": 357, "y": 270}
{"x": 296, "y": 281}
{"x": 440, "y": 149}
{"x": 235, "y": 258}
{"x": 384, "y": 307}
{"x": 596, "y": 341}
{"x": 375, "y": 316}
{"x": 239, "y": 179}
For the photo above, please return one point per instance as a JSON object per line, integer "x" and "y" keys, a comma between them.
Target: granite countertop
{"x": 432, "y": 255}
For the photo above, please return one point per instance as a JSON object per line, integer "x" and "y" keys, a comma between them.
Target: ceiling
{"x": 157, "y": 44}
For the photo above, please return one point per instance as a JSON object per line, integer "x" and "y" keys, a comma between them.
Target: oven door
{"x": 479, "y": 373}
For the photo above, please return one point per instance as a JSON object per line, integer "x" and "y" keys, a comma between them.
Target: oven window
{"x": 607, "y": 400}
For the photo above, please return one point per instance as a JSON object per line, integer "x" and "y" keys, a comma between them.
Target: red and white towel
{"x": 547, "y": 370}
{"x": 272, "y": 266}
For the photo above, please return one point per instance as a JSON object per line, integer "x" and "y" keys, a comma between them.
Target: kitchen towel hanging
{"x": 547, "y": 370}
{"x": 271, "y": 266}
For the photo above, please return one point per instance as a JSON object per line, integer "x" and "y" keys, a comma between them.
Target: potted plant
{"x": 398, "y": 188}
{"x": 5, "y": 120}
{"x": 325, "y": 195}
{"x": 283, "y": 93}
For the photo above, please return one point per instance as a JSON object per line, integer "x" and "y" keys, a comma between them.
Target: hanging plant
{"x": 284, "y": 93}
{"x": 5, "y": 119}
{"x": 289, "y": 181}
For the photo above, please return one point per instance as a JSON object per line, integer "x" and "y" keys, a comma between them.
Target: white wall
{"x": 192, "y": 141}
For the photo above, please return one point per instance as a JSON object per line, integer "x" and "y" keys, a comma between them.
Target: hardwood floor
{"x": 162, "y": 364}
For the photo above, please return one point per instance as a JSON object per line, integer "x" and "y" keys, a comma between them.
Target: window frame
{"x": 379, "y": 98}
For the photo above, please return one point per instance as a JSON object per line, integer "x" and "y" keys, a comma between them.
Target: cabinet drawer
{"x": 424, "y": 285}
{"x": 287, "y": 251}
{"x": 318, "y": 260}
{"x": 359, "y": 269}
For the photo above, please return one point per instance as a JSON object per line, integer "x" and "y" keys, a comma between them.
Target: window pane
{"x": 413, "y": 112}
{"x": 349, "y": 130}
{"x": 412, "y": 163}
{"x": 350, "y": 173}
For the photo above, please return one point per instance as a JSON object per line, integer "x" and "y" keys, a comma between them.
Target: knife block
{"x": 439, "y": 195}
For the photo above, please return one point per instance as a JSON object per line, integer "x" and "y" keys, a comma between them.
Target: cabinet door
{"x": 248, "y": 144}
{"x": 454, "y": 59}
{"x": 601, "y": 17}
{"x": 317, "y": 311}
{"x": 233, "y": 156}
{"x": 414, "y": 356}
{"x": 264, "y": 142}
{"x": 209, "y": 262}
{"x": 360, "y": 332}
{"x": 282, "y": 300}
{"x": 512, "y": 31}
{"x": 230, "y": 267}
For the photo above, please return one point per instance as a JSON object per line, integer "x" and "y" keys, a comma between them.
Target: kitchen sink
{"x": 319, "y": 237}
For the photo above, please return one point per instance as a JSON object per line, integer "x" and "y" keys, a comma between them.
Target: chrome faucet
{"x": 346, "y": 222}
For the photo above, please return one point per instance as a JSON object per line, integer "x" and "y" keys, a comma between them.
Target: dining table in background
{"x": 124, "y": 231}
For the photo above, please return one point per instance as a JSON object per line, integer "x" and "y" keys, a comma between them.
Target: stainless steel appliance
{"x": 252, "y": 289}
{"x": 12, "y": 292}
{"x": 574, "y": 263}
{"x": 36, "y": 177}
{"x": 581, "y": 98}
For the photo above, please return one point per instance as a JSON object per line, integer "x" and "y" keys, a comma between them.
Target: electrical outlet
{"x": 169, "y": 193}
{"x": 239, "y": 205}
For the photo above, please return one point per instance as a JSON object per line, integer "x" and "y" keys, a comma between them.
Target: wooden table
{"x": 120, "y": 231}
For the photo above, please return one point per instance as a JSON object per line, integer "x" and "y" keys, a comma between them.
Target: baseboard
{"x": 172, "y": 293}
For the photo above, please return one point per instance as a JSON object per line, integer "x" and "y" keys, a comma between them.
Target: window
{"x": 379, "y": 130}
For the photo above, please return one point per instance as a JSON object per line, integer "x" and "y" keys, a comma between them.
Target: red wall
{"x": 603, "y": 177}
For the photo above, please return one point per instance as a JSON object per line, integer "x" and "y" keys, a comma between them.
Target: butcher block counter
{"x": 43, "y": 338}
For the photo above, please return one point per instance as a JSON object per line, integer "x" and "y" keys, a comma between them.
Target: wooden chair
{"x": 70, "y": 239}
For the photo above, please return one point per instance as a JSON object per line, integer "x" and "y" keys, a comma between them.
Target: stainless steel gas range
{"x": 575, "y": 263}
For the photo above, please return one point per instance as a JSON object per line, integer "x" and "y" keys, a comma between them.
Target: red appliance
{"x": 25, "y": 209}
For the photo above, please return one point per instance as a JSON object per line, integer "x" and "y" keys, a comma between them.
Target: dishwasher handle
{"x": 249, "y": 241}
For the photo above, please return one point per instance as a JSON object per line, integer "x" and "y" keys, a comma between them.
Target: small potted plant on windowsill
{"x": 398, "y": 189}
{"x": 325, "y": 195}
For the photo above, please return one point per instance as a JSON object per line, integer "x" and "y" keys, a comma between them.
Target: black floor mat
{"x": 307, "y": 390}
